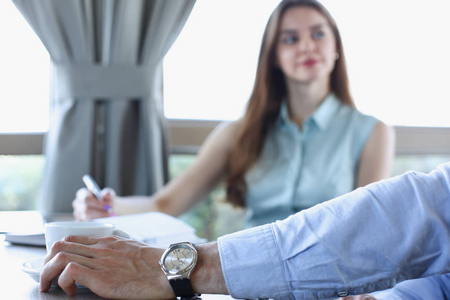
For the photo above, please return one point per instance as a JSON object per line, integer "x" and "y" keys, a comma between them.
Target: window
{"x": 209, "y": 71}
{"x": 397, "y": 54}
{"x": 398, "y": 60}
{"x": 24, "y": 73}
{"x": 396, "y": 63}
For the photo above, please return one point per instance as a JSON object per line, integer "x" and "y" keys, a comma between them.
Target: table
{"x": 17, "y": 285}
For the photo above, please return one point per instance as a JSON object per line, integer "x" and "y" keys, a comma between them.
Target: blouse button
{"x": 343, "y": 294}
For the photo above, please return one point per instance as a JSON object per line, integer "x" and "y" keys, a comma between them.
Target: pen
{"x": 92, "y": 186}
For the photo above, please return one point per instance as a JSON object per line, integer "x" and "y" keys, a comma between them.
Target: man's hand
{"x": 111, "y": 267}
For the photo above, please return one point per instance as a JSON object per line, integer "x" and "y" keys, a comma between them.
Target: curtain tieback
{"x": 97, "y": 81}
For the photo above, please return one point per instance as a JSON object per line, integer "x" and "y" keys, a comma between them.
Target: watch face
{"x": 179, "y": 258}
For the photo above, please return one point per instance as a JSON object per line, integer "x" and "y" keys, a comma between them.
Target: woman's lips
{"x": 309, "y": 62}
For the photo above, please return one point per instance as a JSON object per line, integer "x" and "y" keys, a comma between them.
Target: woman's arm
{"x": 377, "y": 156}
{"x": 209, "y": 168}
{"x": 181, "y": 193}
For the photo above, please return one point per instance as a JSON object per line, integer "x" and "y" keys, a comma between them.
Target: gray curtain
{"x": 106, "y": 114}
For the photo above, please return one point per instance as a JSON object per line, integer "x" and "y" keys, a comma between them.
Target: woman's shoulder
{"x": 348, "y": 112}
{"x": 228, "y": 127}
{"x": 224, "y": 134}
{"x": 365, "y": 126}
{"x": 354, "y": 121}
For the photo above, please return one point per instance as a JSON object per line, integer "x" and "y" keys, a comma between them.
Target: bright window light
{"x": 397, "y": 53}
{"x": 24, "y": 75}
{"x": 209, "y": 72}
{"x": 398, "y": 58}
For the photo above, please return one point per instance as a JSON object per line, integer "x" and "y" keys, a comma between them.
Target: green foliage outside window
{"x": 20, "y": 178}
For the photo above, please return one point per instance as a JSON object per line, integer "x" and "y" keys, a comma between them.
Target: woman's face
{"x": 306, "y": 46}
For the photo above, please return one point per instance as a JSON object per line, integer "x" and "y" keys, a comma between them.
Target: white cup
{"x": 56, "y": 231}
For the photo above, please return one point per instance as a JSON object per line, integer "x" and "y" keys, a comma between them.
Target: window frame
{"x": 186, "y": 137}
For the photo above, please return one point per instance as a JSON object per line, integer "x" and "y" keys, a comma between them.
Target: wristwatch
{"x": 177, "y": 263}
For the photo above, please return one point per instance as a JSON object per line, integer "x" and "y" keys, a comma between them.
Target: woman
{"x": 300, "y": 142}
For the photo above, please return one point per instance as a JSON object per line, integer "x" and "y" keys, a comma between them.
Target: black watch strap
{"x": 182, "y": 287}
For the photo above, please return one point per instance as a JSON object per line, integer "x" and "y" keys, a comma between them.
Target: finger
{"x": 49, "y": 272}
{"x": 55, "y": 266}
{"x": 108, "y": 198}
{"x": 87, "y": 207}
{"x": 109, "y": 193}
{"x": 98, "y": 209}
{"x": 90, "y": 246}
{"x": 90, "y": 278}
{"x": 92, "y": 201}
{"x": 77, "y": 273}
{"x": 72, "y": 244}
{"x": 79, "y": 215}
{"x": 96, "y": 213}
{"x": 82, "y": 212}
{"x": 83, "y": 195}
{"x": 79, "y": 205}
{"x": 68, "y": 278}
{"x": 81, "y": 239}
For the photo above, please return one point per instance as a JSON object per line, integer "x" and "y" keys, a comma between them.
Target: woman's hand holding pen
{"x": 87, "y": 207}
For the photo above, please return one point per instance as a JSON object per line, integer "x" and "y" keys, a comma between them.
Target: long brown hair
{"x": 268, "y": 92}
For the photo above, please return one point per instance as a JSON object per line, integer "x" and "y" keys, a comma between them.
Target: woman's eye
{"x": 318, "y": 35}
{"x": 289, "y": 40}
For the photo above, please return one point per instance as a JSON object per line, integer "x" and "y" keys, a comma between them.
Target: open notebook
{"x": 154, "y": 228}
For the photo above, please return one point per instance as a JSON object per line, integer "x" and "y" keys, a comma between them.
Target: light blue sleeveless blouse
{"x": 300, "y": 168}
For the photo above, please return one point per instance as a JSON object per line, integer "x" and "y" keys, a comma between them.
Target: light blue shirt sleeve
{"x": 433, "y": 287}
{"x": 367, "y": 240}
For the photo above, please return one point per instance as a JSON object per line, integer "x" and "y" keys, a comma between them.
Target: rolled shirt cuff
{"x": 252, "y": 264}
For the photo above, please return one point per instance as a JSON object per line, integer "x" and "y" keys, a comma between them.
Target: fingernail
{"x": 109, "y": 209}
